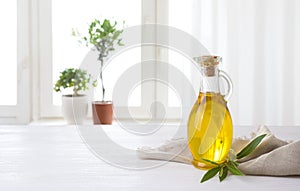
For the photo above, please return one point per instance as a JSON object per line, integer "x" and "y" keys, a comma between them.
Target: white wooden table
{"x": 46, "y": 158}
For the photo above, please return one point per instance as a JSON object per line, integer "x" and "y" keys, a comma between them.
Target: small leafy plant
{"x": 77, "y": 79}
{"x": 231, "y": 164}
{"x": 103, "y": 36}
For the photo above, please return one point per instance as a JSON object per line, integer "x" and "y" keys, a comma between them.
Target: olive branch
{"x": 231, "y": 164}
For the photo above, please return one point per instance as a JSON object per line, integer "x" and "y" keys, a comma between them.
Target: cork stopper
{"x": 208, "y": 63}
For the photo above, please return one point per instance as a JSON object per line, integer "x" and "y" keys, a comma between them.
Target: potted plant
{"x": 102, "y": 37}
{"x": 74, "y": 106}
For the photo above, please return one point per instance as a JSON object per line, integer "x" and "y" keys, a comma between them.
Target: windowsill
{"x": 89, "y": 121}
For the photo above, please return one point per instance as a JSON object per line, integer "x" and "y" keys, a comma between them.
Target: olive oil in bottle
{"x": 210, "y": 124}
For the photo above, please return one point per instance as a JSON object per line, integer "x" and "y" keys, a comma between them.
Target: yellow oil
{"x": 209, "y": 130}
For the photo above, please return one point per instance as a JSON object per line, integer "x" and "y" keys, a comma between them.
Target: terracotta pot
{"x": 102, "y": 112}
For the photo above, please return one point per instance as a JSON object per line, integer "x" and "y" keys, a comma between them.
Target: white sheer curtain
{"x": 259, "y": 42}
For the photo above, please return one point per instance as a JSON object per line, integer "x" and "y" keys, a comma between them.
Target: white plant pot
{"x": 74, "y": 109}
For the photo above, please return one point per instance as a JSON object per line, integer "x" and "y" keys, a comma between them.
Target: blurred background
{"x": 258, "y": 40}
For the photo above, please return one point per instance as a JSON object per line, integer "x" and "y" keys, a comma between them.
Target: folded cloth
{"x": 273, "y": 157}
{"x": 175, "y": 150}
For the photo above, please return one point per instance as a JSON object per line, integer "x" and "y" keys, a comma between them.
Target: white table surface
{"x": 46, "y": 158}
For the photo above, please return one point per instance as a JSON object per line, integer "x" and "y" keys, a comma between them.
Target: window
{"x": 61, "y": 50}
{"x": 8, "y": 37}
{"x": 15, "y": 59}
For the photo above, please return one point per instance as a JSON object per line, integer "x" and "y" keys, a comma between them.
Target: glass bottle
{"x": 210, "y": 124}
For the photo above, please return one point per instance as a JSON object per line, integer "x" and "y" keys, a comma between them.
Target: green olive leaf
{"x": 209, "y": 174}
{"x": 250, "y": 147}
{"x": 223, "y": 173}
{"x": 235, "y": 163}
{"x": 234, "y": 169}
{"x": 211, "y": 162}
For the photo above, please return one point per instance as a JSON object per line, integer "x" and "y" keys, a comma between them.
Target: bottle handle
{"x": 225, "y": 76}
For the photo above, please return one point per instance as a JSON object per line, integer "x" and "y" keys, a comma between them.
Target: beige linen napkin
{"x": 273, "y": 157}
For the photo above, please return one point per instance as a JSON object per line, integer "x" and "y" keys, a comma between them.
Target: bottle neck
{"x": 210, "y": 80}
